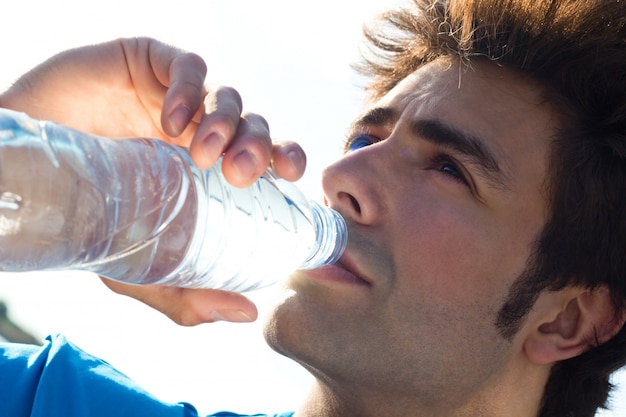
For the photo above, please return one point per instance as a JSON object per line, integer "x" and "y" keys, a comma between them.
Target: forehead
{"x": 492, "y": 97}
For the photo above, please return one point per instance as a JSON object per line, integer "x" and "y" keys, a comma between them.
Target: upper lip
{"x": 347, "y": 262}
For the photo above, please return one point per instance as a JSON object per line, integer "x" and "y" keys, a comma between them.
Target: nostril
{"x": 354, "y": 204}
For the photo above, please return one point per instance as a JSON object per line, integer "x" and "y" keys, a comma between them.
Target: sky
{"x": 290, "y": 60}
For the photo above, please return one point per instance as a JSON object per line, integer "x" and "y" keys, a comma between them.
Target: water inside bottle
{"x": 10, "y": 201}
{"x": 253, "y": 237}
{"x": 138, "y": 211}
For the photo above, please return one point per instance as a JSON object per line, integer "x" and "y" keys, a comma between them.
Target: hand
{"x": 144, "y": 88}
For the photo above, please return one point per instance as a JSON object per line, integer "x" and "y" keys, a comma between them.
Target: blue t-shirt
{"x": 60, "y": 380}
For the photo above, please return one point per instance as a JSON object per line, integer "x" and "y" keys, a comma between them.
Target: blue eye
{"x": 450, "y": 168}
{"x": 358, "y": 142}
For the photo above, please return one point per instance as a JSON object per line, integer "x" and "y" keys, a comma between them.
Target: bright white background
{"x": 290, "y": 61}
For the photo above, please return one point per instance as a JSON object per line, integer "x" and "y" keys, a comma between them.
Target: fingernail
{"x": 245, "y": 164}
{"x": 213, "y": 146}
{"x": 179, "y": 118}
{"x": 295, "y": 160}
{"x": 234, "y": 316}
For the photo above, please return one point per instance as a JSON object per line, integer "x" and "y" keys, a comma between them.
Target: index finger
{"x": 186, "y": 91}
{"x": 168, "y": 82}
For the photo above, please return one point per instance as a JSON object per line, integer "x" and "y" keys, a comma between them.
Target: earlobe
{"x": 575, "y": 322}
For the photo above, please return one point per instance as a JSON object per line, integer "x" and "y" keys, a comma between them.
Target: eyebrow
{"x": 378, "y": 116}
{"x": 468, "y": 145}
{"x": 435, "y": 131}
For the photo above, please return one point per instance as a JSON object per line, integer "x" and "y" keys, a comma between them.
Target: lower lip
{"x": 335, "y": 274}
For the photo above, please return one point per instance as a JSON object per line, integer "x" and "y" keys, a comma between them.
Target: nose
{"x": 352, "y": 186}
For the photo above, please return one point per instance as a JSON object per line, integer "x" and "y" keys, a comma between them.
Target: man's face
{"x": 441, "y": 186}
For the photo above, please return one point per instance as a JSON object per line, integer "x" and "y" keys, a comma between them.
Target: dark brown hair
{"x": 576, "y": 50}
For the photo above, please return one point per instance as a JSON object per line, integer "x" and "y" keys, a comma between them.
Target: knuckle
{"x": 257, "y": 119}
{"x": 230, "y": 95}
{"x": 221, "y": 101}
{"x": 189, "y": 88}
{"x": 196, "y": 61}
{"x": 183, "y": 318}
{"x": 223, "y": 122}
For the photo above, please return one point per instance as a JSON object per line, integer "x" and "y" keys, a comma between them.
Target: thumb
{"x": 190, "y": 306}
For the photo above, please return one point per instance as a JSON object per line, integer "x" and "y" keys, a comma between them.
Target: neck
{"x": 520, "y": 396}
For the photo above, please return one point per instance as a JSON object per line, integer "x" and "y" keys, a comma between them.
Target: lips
{"x": 343, "y": 272}
{"x": 346, "y": 263}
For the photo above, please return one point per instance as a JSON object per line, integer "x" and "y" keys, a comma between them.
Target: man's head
{"x": 486, "y": 212}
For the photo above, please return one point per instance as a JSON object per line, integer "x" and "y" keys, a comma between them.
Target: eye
{"x": 449, "y": 167}
{"x": 360, "y": 141}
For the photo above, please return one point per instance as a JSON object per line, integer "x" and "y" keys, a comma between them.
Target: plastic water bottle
{"x": 140, "y": 211}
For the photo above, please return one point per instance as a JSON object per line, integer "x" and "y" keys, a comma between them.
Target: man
{"x": 484, "y": 192}
{"x": 487, "y": 220}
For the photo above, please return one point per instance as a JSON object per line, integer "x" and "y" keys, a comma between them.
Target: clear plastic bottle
{"x": 139, "y": 211}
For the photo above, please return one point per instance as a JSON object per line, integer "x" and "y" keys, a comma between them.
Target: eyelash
{"x": 443, "y": 162}
{"x": 359, "y": 141}
{"x": 440, "y": 161}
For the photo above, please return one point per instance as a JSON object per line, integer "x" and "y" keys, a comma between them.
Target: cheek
{"x": 456, "y": 257}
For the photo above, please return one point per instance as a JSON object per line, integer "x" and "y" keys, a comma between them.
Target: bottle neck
{"x": 331, "y": 236}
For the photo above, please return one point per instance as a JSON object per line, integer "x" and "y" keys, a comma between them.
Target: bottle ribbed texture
{"x": 139, "y": 211}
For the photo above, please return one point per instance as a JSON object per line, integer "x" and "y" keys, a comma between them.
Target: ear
{"x": 573, "y": 321}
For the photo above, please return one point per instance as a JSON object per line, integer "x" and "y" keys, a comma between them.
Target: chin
{"x": 308, "y": 322}
{"x": 293, "y": 329}
{"x": 281, "y": 324}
